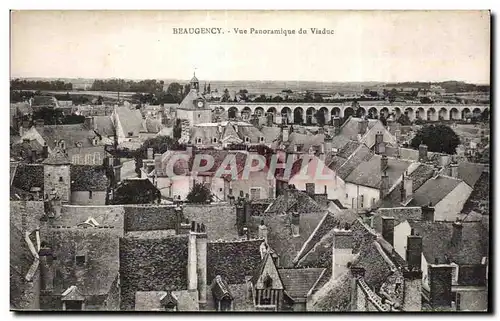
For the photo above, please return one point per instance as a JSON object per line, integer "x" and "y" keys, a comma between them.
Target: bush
{"x": 199, "y": 194}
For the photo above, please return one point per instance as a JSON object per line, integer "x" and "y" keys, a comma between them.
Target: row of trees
{"x": 22, "y": 84}
{"x": 144, "y": 86}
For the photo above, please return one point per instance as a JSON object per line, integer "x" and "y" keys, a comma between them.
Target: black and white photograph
{"x": 250, "y": 161}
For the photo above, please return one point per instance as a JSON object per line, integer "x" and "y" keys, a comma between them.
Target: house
{"x": 132, "y": 128}
{"x": 89, "y": 185}
{"x": 80, "y": 142}
{"x": 194, "y": 106}
{"x": 454, "y": 261}
{"x": 365, "y": 130}
{"x": 38, "y": 102}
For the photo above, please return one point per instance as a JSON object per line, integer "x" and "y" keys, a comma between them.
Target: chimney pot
{"x": 388, "y": 229}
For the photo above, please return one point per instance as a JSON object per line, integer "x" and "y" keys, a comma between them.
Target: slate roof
{"x": 219, "y": 220}
{"x": 188, "y": 104}
{"x": 400, "y": 215}
{"x": 24, "y": 149}
{"x": 368, "y": 173}
{"x": 233, "y": 261}
{"x": 28, "y": 176}
{"x": 479, "y": 199}
{"x": 419, "y": 176}
{"x": 436, "y": 238}
{"x": 298, "y": 282}
{"x": 433, "y": 191}
{"x": 130, "y": 120}
{"x": 348, "y": 149}
{"x": 104, "y": 125}
{"x": 336, "y": 295}
{"x": 152, "y": 265}
{"x": 71, "y": 134}
{"x": 88, "y": 178}
{"x": 470, "y": 172}
{"x": 362, "y": 154}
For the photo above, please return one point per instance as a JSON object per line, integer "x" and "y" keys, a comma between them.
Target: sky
{"x": 382, "y": 46}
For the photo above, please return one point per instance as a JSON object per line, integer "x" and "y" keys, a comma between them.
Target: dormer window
{"x": 299, "y": 147}
{"x": 268, "y": 282}
{"x": 80, "y": 260}
{"x": 261, "y": 139}
{"x": 214, "y": 140}
{"x": 62, "y": 144}
{"x": 94, "y": 141}
{"x": 130, "y": 134}
{"x": 247, "y": 139}
{"x": 198, "y": 140}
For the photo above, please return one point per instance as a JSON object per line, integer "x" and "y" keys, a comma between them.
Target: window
{"x": 373, "y": 202}
{"x": 299, "y": 147}
{"x": 346, "y": 196}
{"x": 90, "y": 195}
{"x": 214, "y": 140}
{"x": 255, "y": 193}
{"x": 247, "y": 139}
{"x": 60, "y": 179}
{"x": 198, "y": 140}
{"x": 73, "y": 305}
{"x": 80, "y": 260}
{"x": 361, "y": 201}
{"x": 261, "y": 139}
{"x": 352, "y": 203}
{"x": 458, "y": 301}
{"x": 199, "y": 115}
{"x": 220, "y": 189}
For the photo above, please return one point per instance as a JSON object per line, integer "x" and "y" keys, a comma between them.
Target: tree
{"x": 200, "y": 193}
{"x": 404, "y": 120}
{"x": 205, "y": 88}
{"x": 383, "y": 119}
{"x": 485, "y": 115}
{"x": 50, "y": 116}
{"x": 225, "y": 97}
{"x": 438, "y": 138}
{"x": 159, "y": 144}
{"x": 426, "y": 100}
{"x": 177, "y": 130}
{"x": 366, "y": 91}
{"x": 175, "y": 89}
{"x": 209, "y": 90}
{"x": 320, "y": 118}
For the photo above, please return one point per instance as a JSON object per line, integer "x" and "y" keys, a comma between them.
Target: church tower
{"x": 195, "y": 83}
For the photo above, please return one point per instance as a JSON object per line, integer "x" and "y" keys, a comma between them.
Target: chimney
{"x": 263, "y": 231}
{"x": 454, "y": 170}
{"x": 414, "y": 251}
{"x": 150, "y": 153}
{"x": 158, "y": 167}
{"x": 117, "y": 169}
{"x": 384, "y": 185}
{"x": 362, "y": 126}
{"x": 201, "y": 260}
{"x": 46, "y": 268}
{"x": 45, "y": 150}
{"x": 358, "y": 298}
{"x": 192, "y": 259}
{"x": 179, "y": 217}
{"x": 328, "y": 146}
{"x": 422, "y": 153}
{"x": 295, "y": 223}
{"x": 33, "y": 156}
{"x": 428, "y": 213}
{"x": 90, "y": 123}
{"x": 184, "y": 227}
{"x": 311, "y": 189}
{"x": 407, "y": 189}
{"x": 336, "y": 125}
{"x": 388, "y": 229}
{"x": 342, "y": 251}
{"x": 440, "y": 278}
{"x": 269, "y": 119}
{"x": 384, "y": 162}
{"x": 397, "y": 134}
{"x": 456, "y": 236}
{"x": 240, "y": 216}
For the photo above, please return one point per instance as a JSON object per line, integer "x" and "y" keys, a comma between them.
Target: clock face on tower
{"x": 200, "y": 104}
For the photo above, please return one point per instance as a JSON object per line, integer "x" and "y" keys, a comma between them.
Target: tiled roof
{"x": 479, "y": 199}
{"x": 219, "y": 220}
{"x": 362, "y": 154}
{"x": 368, "y": 173}
{"x": 400, "y": 215}
{"x": 437, "y": 236}
{"x": 350, "y": 128}
{"x": 306, "y": 140}
{"x": 151, "y": 300}
{"x": 101, "y": 250}
{"x": 325, "y": 225}
{"x": 335, "y": 162}
{"x": 433, "y": 191}
{"x": 233, "y": 261}
{"x": 470, "y": 172}
{"x": 152, "y": 265}
{"x": 298, "y": 282}
{"x": 299, "y": 200}
{"x": 28, "y": 176}
{"x": 21, "y": 260}
{"x": 150, "y": 217}
{"x": 88, "y": 178}
{"x": 57, "y": 157}
{"x": 349, "y": 148}
{"x": 71, "y": 134}
{"x": 336, "y": 296}
{"x": 280, "y": 236}
{"x": 419, "y": 176}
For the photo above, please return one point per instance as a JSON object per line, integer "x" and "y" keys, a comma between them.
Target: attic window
{"x": 214, "y": 140}
{"x": 198, "y": 140}
{"x": 268, "y": 282}
{"x": 60, "y": 179}
{"x": 80, "y": 260}
{"x": 261, "y": 139}
{"x": 130, "y": 134}
{"x": 247, "y": 139}
{"x": 299, "y": 147}
{"x": 62, "y": 144}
